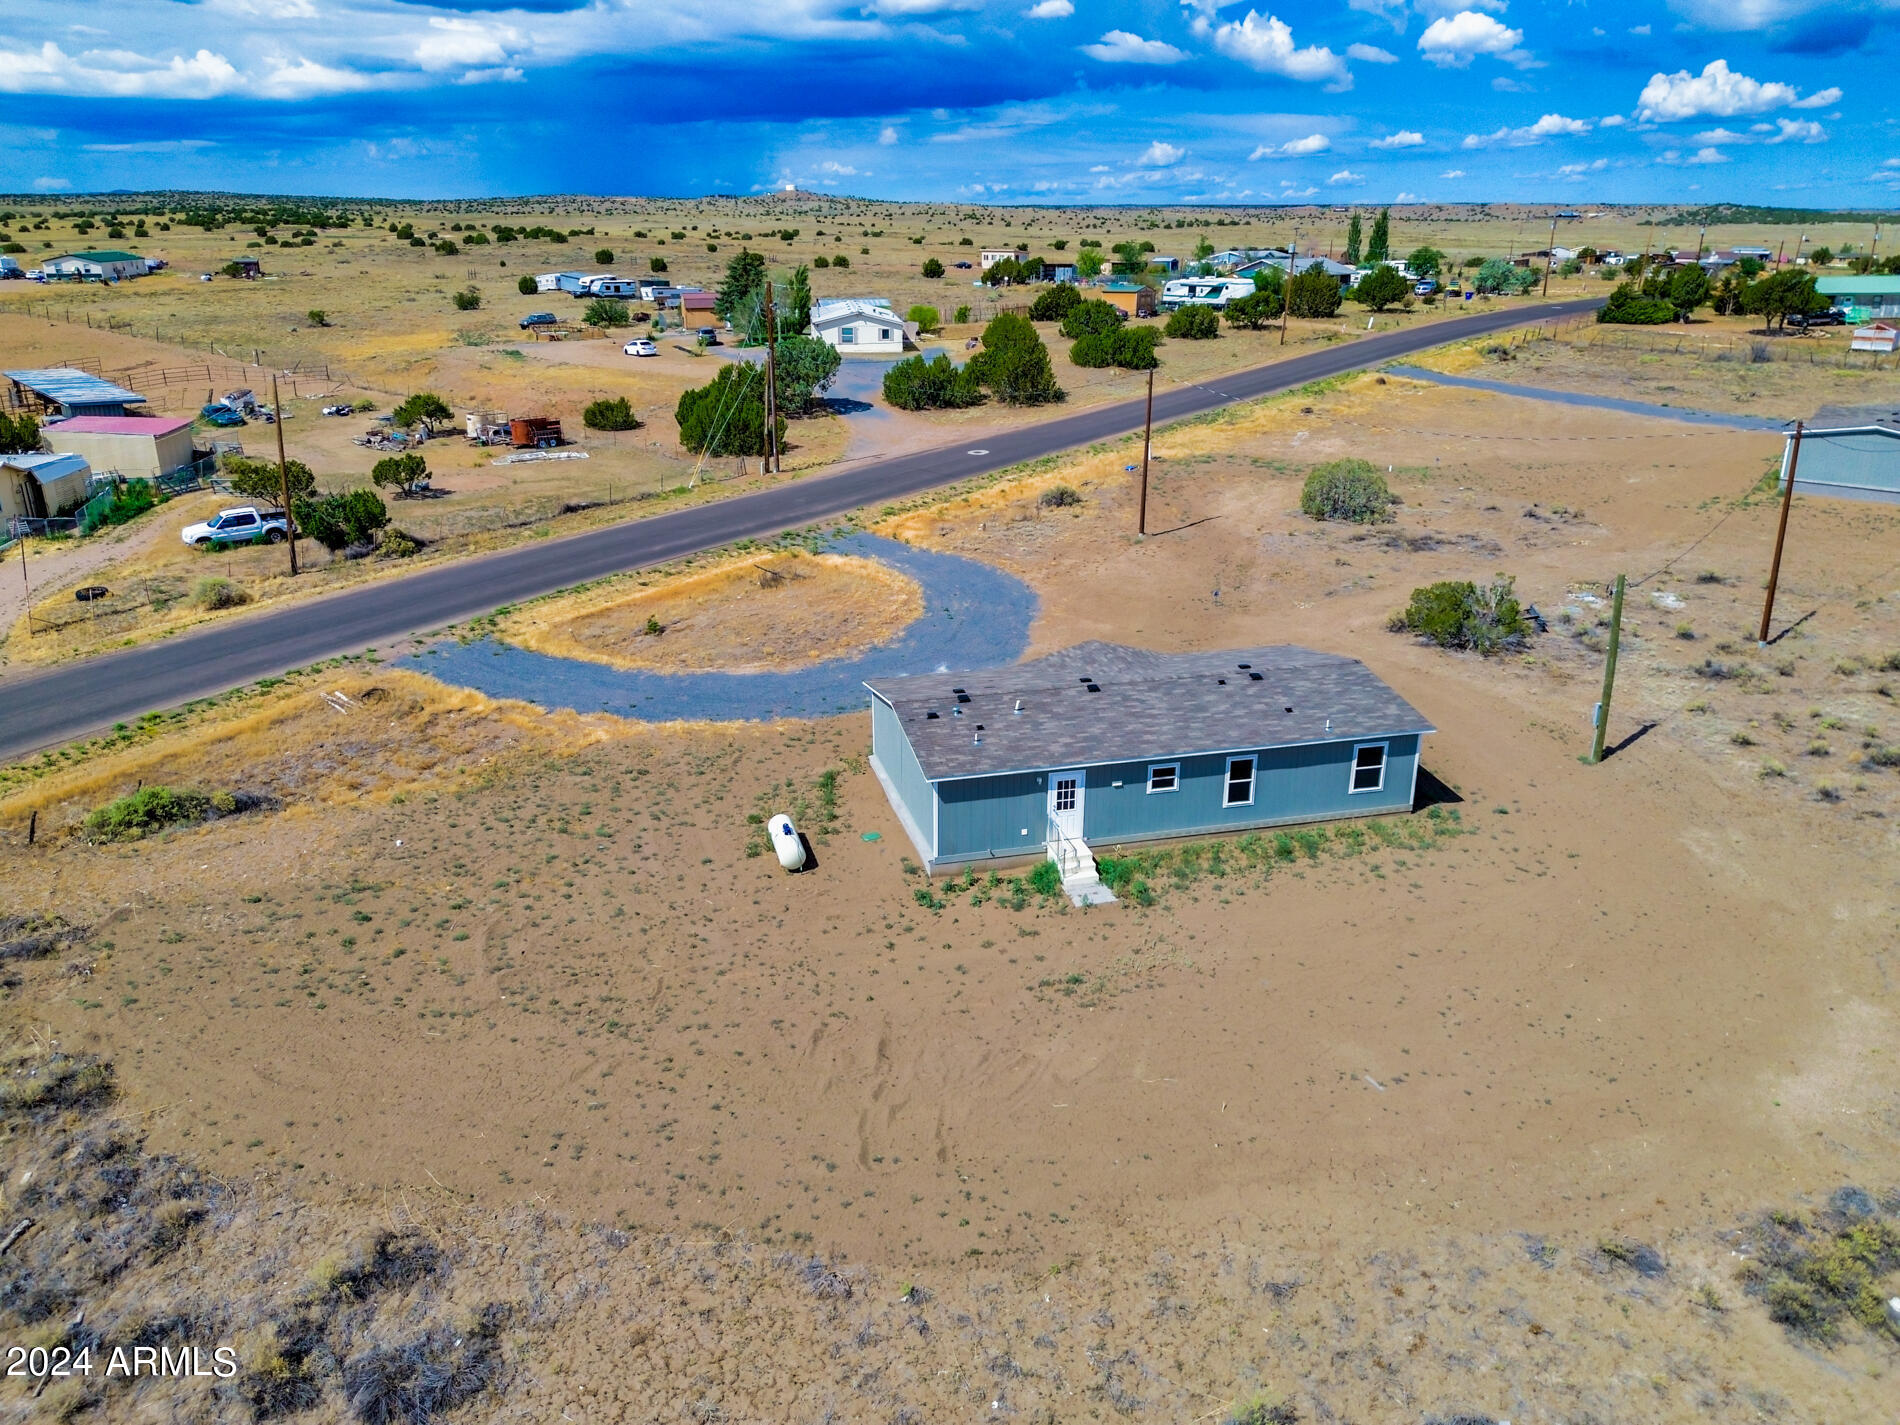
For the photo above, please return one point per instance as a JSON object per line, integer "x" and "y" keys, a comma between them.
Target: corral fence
{"x": 1694, "y": 339}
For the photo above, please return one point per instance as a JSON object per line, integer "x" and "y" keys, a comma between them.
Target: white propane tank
{"x": 791, "y": 851}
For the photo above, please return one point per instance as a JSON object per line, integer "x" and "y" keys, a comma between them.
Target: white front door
{"x": 1065, "y": 804}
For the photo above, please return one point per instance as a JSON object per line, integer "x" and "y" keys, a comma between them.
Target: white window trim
{"x": 849, "y": 334}
{"x": 1173, "y": 767}
{"x": 1352, "y": 770}
{"x": 1253, "y": 780}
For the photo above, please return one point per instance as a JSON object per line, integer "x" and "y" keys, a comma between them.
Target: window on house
{"x": 1165, "y": 777}
{"x": 1368, "y": 767}
{"x": 1065, "y": 794}
{"x": 849, "y": 334}
{"x": 1239, "y": 782}
{"x": 883, "y": 333}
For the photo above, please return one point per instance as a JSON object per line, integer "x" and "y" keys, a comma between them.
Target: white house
{"x": 865, "y": 325}
{"x": 994, "y": 255}
{"x": 105, "y": 265}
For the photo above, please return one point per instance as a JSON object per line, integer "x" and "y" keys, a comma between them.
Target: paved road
{"x": 43, "y": 709}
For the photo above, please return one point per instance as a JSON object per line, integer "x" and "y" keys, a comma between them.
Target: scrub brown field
{"x": 1376, "y": 1127}
{"x": 753, "y": 615}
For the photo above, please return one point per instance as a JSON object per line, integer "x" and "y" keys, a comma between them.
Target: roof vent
{"x": 1329, "y": 724}
{"x": 956, "y": 712}
{"x": 1019, "y": 705}
{"x": 956, "y": 690}
{"x": 930, "y": 717}
{"x": 1289, "y": 709}
{"x": 1221, "y": 681}
{"x": 1085, "y": 680}
{"x": 962, "y": 696}
{"x": 1243, "y": 666}
{"x": 1095, "y": 687}
{"x": 1257, "y": 677}
{"x": 976, "y": 737}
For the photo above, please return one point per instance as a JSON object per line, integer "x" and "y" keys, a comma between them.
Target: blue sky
{"x": 1070, "y": 101}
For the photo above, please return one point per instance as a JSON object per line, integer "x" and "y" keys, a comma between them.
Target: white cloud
{"x": 1721, "y": 135}
{"x": 502, "y": 74}
{"x": 116, "y": 74}
{"x": 900, "y": 8}
{"x": 1050, "y": 10}
{"x": 307, "y": 78}
{"x": 1639, "y": 29}
{"x": 1267, "y": 45}
{"x": 842, "y": 170}
{"x": 1370, "y": 54}
{"x": 1404, "y": 138}
{"x": 1891, "y": 163}
{"x": 1799, "y": 131}
{"x": 1453, "y": 173}
{"x": 887, "y": 135}
{"x": 1611, "y": 121}
{"x": 1406, "y": 198}
{"x": 1504, "y": 84}
{"x": 1312, "y": 143}
{"x": 1700, "y": 156}
{"x": 1346, "y": 178}
{"x": 1577, "y": 170}
{"x": 1441, "y": 9}
{"x": 51, "y": 185}
{"x": 1452, "y": 42}
{"x": 1550, "y": 126}
{"x": 1160, "y": 155}
{"x": 1121, "y": 47}
{"x": 1820, "y": 99}
{"x": 1717, "y": 93}
{"x": 463, "y": 44}
{"x": 149, "y": 146}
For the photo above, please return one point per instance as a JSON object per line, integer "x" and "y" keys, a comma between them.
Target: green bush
{"x": 1045, "y": 879}
{"x": 1497, "y": 275}
{"x": 727, "y": 415}
{"x": 468, "y": 299}
{"x": 606, "y": 312}
{"x": 963, "y": 314}
{"x": 1131, "y": 348}
{"x": 398, "y": 544}
{"x": 611, "y": 413}
{"x": 1091, "y": 318}
{"x": 1381, "y": 287}
{"x": 1055, "y": 303}
{"x": 1348, "y": 489}
{"x": 1014, "y": 364}
{"x": 1059, "y": 497}
{"x": 1314, "y": 294}
{"x": 1460, "y": 614}
{"x": 1195, "y": 323}
{"x": 1256, "y": 310}
{"x": 526, "y": 285}
{"x": 147, "y": 810}
{"x": 218, "y": 592}
{"x": 337, "y": 521}
{"x": 1629, "y": 307}
{"x": 932, "y": 267}
{"x": 928, "y": 319}
{"x": 917, "y": 384}
{"x": 403, "y": 473}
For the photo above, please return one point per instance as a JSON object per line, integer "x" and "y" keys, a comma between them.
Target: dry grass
{"x": 753, "y": 614}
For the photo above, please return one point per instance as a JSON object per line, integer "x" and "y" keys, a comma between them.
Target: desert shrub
{"x": 963, "y": 314}
{"x": 1255, "y": 310}
{"x": 1497, "y": 275}
{"x": 1058, "y": 496}
{"x": 1461, "y": 614}
{"x": 147, "y": 810}
{"x": 132, "y": 499}
{"x": 606, "y": 312}
{"x": 610, "y": 413}
{"x": 468, "y": 299}
{"x": 932, "y": 267}
{"x": 920, "y": 384}
{"x": 403, "y": 473}
{"x": 1055, "y": 303}
{"x": 219, "y": 592}
{"x": 1131, "y": 348}
{"x": 1629, "y": 307}
{"x": 526, "y": 285}
{"x": 1093, "y": 317}
{"x": 727, "y": 415}
{"x": 338, "y": 521}
{"x": 1811, "y": 1276}
{"x": 1014, "y": 364}
{"x": 62, "y": 1082}
{"x": 1313, "y": 293}
{"x": 398, "y": 544}
{"x": 1263, "y": 1410}
{"x": 928, "y": 319}
{"x": 1381, "y": 287}
{"x": 1350, "y": 489}
{"x": 1194, "y": 323}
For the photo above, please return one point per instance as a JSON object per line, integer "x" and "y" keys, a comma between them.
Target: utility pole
{"x": 1550, "y": 253}
{"x": 1876, "y": 249}
{"x": 1609, "y": 675}
{"x": 771, "y": 384}
{"x": 1286, "y": 287}
{"x": 283, "y": 474}
{"x": 1147, "y": 442}
{"x": 1799, "y": 243}
{"x": 1781, "y": 534}
{"x": 1702, "y": 238}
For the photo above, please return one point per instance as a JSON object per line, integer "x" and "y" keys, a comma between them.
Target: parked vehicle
{"x": 1832, "y": 317}
{"x": 1426, "y": 287}
{"x": 966, "y": 266}
{"x": 219, "y": 414}
{"x": 538, "y": 319}
{"x": 343, "y": 410}
{"x": 641, "y": 346}
{"x": 708, "y": 336}
{"x": 242, "y": 525}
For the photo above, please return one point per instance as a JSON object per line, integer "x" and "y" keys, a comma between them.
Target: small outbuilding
{"x": 135, "y": 446}
{"x": 859, "y": 325}
{"x": 39, "y": 486}
{"x": 67, "y": 391}
{"x": 1849, "y": 452}
{"x": 1102, "y": 744}
{"x": 693, "y": 310}
{"x": 1877, "y": 336}
{"x": 1135, "y": 298}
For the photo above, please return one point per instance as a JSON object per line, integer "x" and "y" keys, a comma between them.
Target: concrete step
{"x": 1081, "y": 881}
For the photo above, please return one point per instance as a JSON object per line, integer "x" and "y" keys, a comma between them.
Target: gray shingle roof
{"x": 1143, "y": 705}
{"x": 1849, "y": 417}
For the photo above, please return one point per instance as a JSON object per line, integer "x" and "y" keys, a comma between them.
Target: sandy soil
{"x": 759, "y": 614}
{"x": 1373, "y": 1128}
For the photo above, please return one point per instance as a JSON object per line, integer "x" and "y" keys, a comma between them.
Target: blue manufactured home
{"x": 1102, "y": 744}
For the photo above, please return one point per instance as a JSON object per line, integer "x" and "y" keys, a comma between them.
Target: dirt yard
{"x": 1483, "y": 1110}
{"x": 754, "y": 615}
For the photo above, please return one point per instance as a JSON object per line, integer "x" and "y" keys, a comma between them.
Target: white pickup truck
{"x": 241, "y": 525}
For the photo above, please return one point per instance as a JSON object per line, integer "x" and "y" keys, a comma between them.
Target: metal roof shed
{"x": 68, "y": 391}
{"x": 1104, "y": 744}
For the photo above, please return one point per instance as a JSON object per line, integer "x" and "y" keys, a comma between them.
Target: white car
{"x": 237, "y": 526}
{"x": 641, "y": 346}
